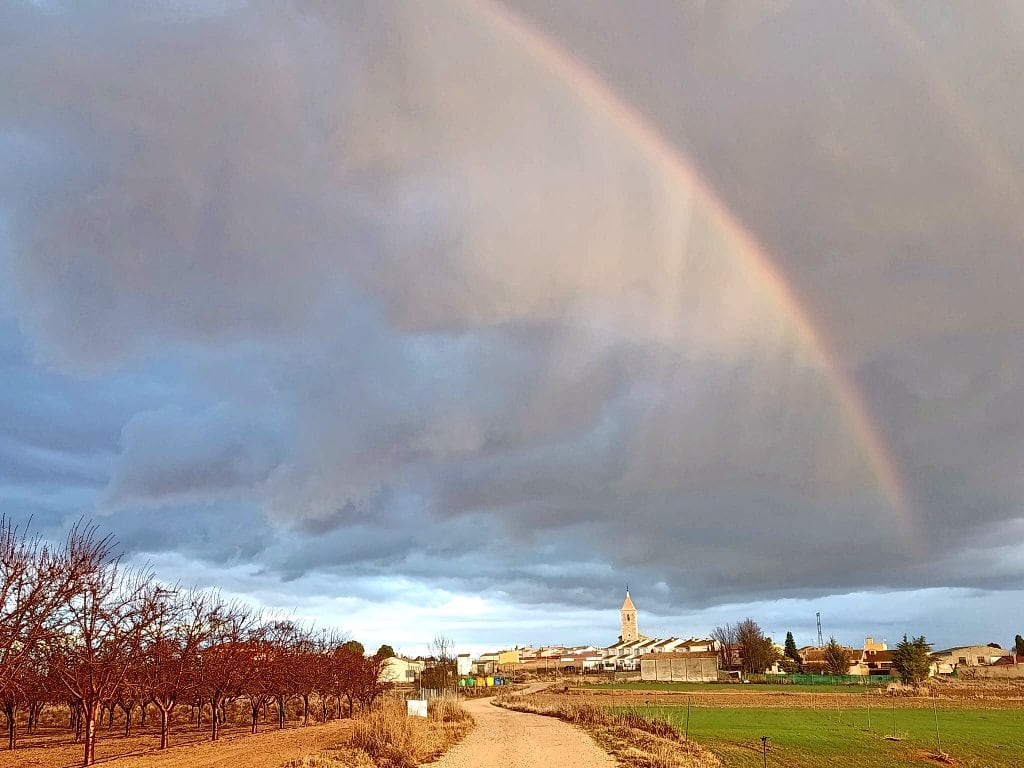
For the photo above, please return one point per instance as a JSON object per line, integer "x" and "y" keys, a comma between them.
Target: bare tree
{"x": 328, "y": 665}
{"x": 370, "y": 680}
{"x": 223, "y": 660}
{"x": 442, "y": 648}
{"x": 26, "y": 690}
{"x": 727, "y": 641}
{"x": 348, "y": 669}
{"x": 73, "y": 620}
{"x": 35, "y": 580}
{"x": 261, "y": 669}
{"x": 171, "y": 648}
{"x": 306, "y": 671}
{"x": 104, "y": 618}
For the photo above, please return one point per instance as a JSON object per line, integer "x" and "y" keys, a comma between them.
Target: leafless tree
{"x": 35, "y": 580}
{"x": 171, "y": 649}
{"x": 103, "y": 620}
{"x": 442, "y": 648}
{"x": 224, "y": 659}
{"x": 726, "y": 639}
{"x": 261, "y": 671}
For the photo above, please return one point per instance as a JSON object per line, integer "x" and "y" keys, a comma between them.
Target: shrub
{"x": 447, "y": 710}
{"x": 389, "y": 736}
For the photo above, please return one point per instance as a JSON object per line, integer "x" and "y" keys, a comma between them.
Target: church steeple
{"x": 630, "y": 632}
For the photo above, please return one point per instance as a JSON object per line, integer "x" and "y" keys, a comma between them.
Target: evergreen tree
{"x": 1018, "y": 645}
{"x": 912, "y": 660}
{"x": 385, "y": 652}
{"x": 837, "y": 658}
{"x": 354, "y": 646}
{"x": 792, "y": 653}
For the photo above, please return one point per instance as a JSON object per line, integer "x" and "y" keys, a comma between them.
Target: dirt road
{"x": 505, "y": 739}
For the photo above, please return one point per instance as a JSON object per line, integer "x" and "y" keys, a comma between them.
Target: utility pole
{"x": 821, "y": 640}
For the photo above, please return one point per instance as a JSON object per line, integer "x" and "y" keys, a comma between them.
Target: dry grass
{"x": 1011, "y": 689}
{"x": 388, "y": 738}
{"x": 634, "y": 740}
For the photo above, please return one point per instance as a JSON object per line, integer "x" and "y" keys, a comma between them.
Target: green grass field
{"x": 734, "y": 687}
{"x": 806, "y": 738}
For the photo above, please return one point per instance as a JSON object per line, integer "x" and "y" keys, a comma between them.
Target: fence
{"x": 997, "y": 672}
{"x": 826, "y": 679}
{"x": 668, "y": 668}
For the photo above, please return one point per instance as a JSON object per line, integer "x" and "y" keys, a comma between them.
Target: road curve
{"x": 506, "y": 739}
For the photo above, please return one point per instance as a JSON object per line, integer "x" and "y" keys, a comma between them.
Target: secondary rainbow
{"x": 634, "y": 127}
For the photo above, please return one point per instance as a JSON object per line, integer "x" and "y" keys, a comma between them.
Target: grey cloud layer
{"x": 391, "y": 298}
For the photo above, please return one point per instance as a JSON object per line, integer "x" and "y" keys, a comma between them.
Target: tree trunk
{"x": 164, "y": 719}
{"x": 11, "y": 710}
{"x": 214, "y": 702}
{"x": 280, "y": 712}
{"x": 305, "y": 709}
{"x": 90, "y": 714}
{"x": 255, "y": 715}
{"x": 36, "y": 711}
{"x": 127, "y": 720}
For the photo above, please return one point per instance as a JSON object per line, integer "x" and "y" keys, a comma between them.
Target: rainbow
{"x": 632, "y": 125}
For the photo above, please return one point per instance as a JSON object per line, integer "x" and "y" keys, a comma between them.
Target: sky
{"x": 458, "y": 317}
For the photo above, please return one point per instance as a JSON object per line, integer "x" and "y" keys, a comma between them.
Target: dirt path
{"x": 505, "y": 739}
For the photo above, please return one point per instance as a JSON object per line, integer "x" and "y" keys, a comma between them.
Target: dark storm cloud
{"x": 362, "y": 290}
{"x": 172, "y": 454}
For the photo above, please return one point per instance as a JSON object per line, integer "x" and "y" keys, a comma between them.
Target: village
{"x": 635, "y": 656}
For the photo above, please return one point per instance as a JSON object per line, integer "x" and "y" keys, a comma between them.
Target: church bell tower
{"x": 630, "y": 633}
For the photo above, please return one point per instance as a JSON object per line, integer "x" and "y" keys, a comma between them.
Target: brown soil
{"x": 268, "y": 749}
{"x": 768, "y": 699}
{"x": 505, "y": 739}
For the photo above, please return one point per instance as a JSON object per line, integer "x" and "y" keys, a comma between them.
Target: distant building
{"x": 398, "y": 669}
{"x": 630, "y": 630}
{"x": 948, "y": 661}
{"x": 873, "y": 659}
{"x": 625, "y": 655}
{"x": 871, "y": 645}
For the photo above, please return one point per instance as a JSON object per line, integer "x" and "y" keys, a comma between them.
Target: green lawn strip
{"x": 990, "y": 738}
{"x": 735, "y": 687}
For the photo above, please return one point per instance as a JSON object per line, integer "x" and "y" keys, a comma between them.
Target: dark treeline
{"x": 80, "y": 631}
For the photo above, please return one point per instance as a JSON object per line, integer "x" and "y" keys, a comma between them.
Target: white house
{"x": 398, "y": 669}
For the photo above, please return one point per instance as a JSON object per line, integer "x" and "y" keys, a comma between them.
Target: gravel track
{"x": 506, "y": 739}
